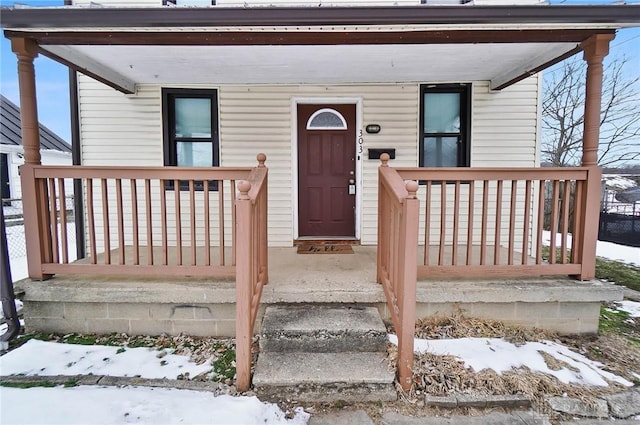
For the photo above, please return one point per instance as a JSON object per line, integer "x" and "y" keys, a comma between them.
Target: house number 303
{"x": 360, "y": 141}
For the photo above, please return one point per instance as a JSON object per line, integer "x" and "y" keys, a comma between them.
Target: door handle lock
{"x": 352, "y": 181}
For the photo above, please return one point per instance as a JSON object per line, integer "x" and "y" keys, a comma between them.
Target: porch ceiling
{"x": 320, "y": 64}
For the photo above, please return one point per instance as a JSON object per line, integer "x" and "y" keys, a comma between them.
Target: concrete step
{"x": 318, "y": 328}
{"x": 324, "y": 377}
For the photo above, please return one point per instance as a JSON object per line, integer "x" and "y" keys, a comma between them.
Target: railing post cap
{"x": 261, "y": 157}
{"x": 412, "y": 188}
{"x": 244, "y": 187}
{"x": 384, "y": 158}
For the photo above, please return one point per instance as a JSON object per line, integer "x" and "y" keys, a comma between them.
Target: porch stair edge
{"x": 324, "y": 353}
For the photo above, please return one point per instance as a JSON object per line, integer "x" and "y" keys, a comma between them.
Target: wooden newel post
{"x": 408, "y": 248}
{"x": 383, "y": 237}
{"x": 244, "y": 262}
{"x": 263, "y": 247}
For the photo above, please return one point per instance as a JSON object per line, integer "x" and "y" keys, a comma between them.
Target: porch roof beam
{"x": 89, "y": 67}
{"x": 299, "y": 16}
{"x": 290, "y": 38}
{"x": 533, "y": 66}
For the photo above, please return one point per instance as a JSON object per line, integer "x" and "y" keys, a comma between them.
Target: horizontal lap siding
{"x": 117, "y": 129}
{"x": 259, "y": 119}
{"x": 504, "y": 128}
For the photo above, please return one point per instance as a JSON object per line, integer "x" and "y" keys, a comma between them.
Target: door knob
{"x": 352, "y": 181}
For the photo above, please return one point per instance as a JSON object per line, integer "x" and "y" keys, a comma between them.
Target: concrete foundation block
{"x": 43, "y": 309}
{"x": 85, "y": 310}
{"x": 226, "y": 328}
{"x": 151, "y": 327}
{"x": 128, "y": 311}
{"x": 106, "y": 326}
{"x": 195, "y": 327}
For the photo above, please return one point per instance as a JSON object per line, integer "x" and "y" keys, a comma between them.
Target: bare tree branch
{"x": 563, "y": 115}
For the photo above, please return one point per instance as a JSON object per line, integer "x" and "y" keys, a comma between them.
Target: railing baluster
{"x": 163, "y": 223}
{"x": 176, "y": 190}
{"x": 565, "y": 220}
{"x": 192, "y": 210}
{"x": 498, "y": 237}
{"x": 93, "y": 251}
{"x": 233, "y": 221}
{"x": 207, "y": 225}
{"x": 53, "y": 219}
{"x": 427, "y": 223}
{"x": 120, "y": 220}
{"x": 63, "y": 221}
{"x": 554, "y": 220}
{"x": 135, "y": 222}
{"x": 527, "y": 219}
{"x": 512, "y": 220}
{"x": 485, "y": 208}
{"x": 221, "y": 219}
{"x": 443, "y": 221}
{"x": 541, "y": 201}
{"x": 577, "y": 223}
{"x": 105, "y": 221}
{"x": 456, "y": 223}
{"x": 147, "y": 197}
{"x": 470, "y": 218}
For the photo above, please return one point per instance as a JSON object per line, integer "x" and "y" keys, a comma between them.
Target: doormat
{"x": 308, "y": 248}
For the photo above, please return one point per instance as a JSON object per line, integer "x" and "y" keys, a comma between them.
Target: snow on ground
{"x": 140, "y": 405}
{"x": 615, "y": 181}
{"x": 103, "y": 405}
{"x": 631, "y": 307}
{"x": 503, "y": 356}
{"x": 608, "y": 250}
{"x": 52, "y": 358}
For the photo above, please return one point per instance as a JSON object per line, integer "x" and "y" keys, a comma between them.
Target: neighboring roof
{"x": 10, "y": 133}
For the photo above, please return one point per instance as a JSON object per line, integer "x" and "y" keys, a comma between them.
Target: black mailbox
{"x": 375, "y": 153}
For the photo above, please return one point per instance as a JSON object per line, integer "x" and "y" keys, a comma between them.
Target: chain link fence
{"x": 14, "y": 222}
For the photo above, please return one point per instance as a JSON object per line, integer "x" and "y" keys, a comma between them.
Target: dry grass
{"x": 445, "y": 375}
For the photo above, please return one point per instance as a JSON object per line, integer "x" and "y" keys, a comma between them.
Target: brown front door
{"x": 326, "y": 170}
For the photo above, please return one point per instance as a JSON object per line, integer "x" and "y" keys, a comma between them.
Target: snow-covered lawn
{"x": 140, "y": 405}
{"x": 607, "y": 250}
{"x": 502, "y": 356}
{"x": 101, "y": 405}
{"x": 631, "y": 307}
{"x": 73, "y": 359}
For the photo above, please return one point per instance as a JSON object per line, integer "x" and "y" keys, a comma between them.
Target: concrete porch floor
{"x": 201, "y": 306}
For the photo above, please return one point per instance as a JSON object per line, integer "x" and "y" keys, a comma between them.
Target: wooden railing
{"x": 396, "y": 265}
{"x": 480, "y": 222}
{"x": 157, "y": 221}
{"x": 251, "y": 266}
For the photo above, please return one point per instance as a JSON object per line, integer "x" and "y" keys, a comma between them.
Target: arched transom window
{"x": 326, "y": 119}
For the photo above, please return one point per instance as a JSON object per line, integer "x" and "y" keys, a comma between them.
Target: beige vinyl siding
{"x": 259, "y": 118}
{"x": 505, "y": 125}
{"x": 119, "y": 129}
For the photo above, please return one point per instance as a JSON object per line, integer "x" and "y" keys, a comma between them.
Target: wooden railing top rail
{"x": 459, "y": 173}
{"x": 119, "y": 172}
{"x": 394, "y": 183}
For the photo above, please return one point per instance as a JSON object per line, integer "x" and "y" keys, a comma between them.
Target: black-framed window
{"x": 445, "y": 125}
{"x": 190, "y": 123}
